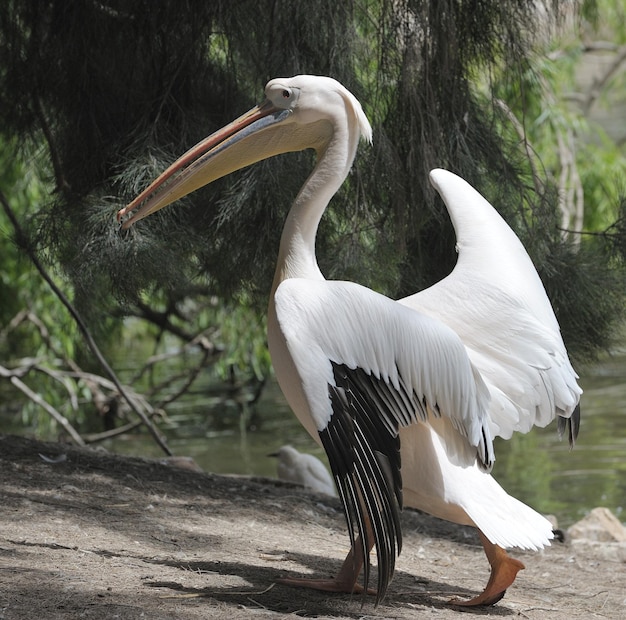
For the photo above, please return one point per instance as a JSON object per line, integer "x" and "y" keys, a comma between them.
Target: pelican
{"x": 304, "y": 469}
{"x": 405, "y": 396}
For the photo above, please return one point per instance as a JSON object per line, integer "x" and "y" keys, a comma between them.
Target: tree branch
{"x": 26, "y": 245}
{"x": 61, "y": 419}
{"x": 208, "y": 350}
{"x": 600, "y": 82}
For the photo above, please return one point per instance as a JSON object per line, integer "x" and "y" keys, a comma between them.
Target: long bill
{"x": 248, "y": 139}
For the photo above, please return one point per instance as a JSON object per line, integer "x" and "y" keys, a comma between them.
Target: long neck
{"x": 296, "y": 257}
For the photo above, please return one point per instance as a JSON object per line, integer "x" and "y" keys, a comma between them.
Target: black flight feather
{"x": 363, "y": 448}
{"x": 571, "y": 424}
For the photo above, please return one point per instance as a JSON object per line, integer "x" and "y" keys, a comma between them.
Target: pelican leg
{"x": 503, "y": 572}
{"x": 346, "y": 579}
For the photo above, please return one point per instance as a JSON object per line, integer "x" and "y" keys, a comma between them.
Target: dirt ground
{"x": 88, "y": 534}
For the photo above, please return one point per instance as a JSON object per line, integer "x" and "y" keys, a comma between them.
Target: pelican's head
{"x": 298, "y": 113}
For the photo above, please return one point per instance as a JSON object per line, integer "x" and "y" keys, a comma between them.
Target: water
{"x": 233, "y": 449}
{"x": 537, "y": 468}
{"x": 543, "y": 472}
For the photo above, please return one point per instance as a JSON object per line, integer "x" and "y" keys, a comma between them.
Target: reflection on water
{"x": 537, "y": 468}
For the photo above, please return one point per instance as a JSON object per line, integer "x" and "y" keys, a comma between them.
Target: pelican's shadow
{"x": 262, "y": 590}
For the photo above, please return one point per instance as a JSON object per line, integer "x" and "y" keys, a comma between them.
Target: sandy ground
{"x": 99, "y": 536}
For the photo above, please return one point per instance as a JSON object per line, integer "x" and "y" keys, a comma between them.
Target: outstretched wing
{"x": 496, "y": 303}
{"x": 369, "y": 366}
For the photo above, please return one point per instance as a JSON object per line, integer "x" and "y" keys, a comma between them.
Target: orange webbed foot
{"x": 504, "y": 569}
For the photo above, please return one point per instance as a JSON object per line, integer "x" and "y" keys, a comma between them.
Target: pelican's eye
{"x": 282, "y": 96}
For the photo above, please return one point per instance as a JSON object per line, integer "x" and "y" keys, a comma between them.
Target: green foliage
{"x": 102, "y": 98}
{"x": 602, "y": 167}
{"x": 33, "y": 323}
{"x": 150, "y": 100}
{"x": 575, "y": 169}
{"x": 587, "y": 293}
{"x": 21, "y": 285}
{"x": 242, "y": 333}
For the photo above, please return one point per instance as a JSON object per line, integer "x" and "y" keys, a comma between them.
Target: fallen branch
{"x": 114, "y": 432}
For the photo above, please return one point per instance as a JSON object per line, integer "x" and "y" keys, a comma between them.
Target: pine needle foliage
{"x": 117, "y": 90}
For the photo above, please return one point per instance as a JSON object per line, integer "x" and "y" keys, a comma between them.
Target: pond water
{"x": 537, "y": 468}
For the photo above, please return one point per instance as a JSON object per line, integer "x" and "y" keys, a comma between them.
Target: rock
{"x": 181, "y": 462}
{"x": 603, "y": 551}
{"x": 600, "y": 525}
{"x": 553, "y": 520}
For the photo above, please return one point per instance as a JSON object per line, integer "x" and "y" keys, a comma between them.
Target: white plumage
{"x": 497, "y": 304}
{"x": 355, "y": 326}
{"x": 404, "y": 396}
{"x": 304, "y": 469}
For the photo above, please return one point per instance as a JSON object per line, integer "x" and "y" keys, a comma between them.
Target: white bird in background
{"x": 405, "y": 396}
{"x": 304, "y": 469}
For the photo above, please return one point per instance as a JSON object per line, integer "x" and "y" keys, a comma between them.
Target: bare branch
{"x": 114, "y": 432}
{"x": 161, "y": 320}
{"x": 600, "y": 46}
{"x": 25, "y": 243}
{"x": 208, "y": 350}
{"x": 19, "y": 318}
{"x": 571, "y": 192}
{"x": 61, "y": 419}
{"x": 600, "y": 82}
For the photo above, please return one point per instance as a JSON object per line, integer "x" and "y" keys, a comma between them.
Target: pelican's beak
{"x": 241, "y": 143}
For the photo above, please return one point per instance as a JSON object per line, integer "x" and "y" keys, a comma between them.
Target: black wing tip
{"x": 571, "y": 425}
{"x": 364, "y": 456}
{"x": 486, "y": 455}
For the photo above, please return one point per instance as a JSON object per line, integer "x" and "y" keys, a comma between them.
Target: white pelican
{"x": 304, "y": 469}
{"x": 404, "y": 396}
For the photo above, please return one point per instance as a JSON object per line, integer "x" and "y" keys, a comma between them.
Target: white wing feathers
{"x": 423, "y": 361}
{"x": 496, "y": 303}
